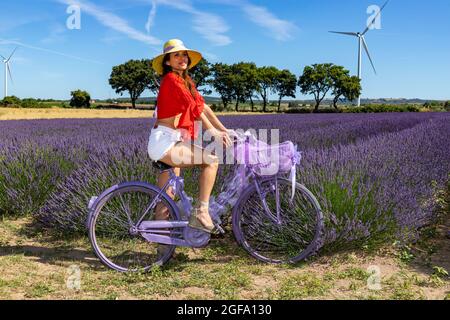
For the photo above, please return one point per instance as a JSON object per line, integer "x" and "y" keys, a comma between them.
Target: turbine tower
{"x": 362, "y": 43}
{"x": 7, "y": 70}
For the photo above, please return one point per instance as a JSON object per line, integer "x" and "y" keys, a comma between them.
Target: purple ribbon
{"x": 168, "y": 48}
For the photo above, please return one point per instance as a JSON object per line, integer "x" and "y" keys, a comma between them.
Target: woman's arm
{"x": 207, "y": 125}
{"x": 214, "y": 131}
{"x": 213, "y": 119}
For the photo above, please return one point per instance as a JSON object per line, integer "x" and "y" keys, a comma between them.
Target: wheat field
{"x": 61, "y": 113}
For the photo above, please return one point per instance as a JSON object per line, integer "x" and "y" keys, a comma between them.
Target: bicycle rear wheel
{"x": 113, "y": 234}
{"x": 296, "y": 237}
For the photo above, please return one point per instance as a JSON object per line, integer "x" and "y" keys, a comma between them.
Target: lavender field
{"x": 377, "y": 177}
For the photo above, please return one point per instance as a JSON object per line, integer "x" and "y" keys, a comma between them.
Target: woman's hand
{"x": 226, "y": 139}
{"x": 222, "y": 136}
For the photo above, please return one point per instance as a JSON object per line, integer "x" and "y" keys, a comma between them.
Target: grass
{"x": 302, "y": 286}
{"x": 38, "y": 266}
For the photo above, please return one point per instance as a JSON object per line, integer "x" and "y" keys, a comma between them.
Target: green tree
{"x": 447, "y": 105}
{"x": 30, "y": 103}
{"x": 316, "y": 80}
{"x": 222, "y": 82}
{"x": 266, "y": 83}
{"x": 80, "y": 99}
{"x": 252, "y": 84}
{"x": 344, "y": 85}
{"x": 285, "y": 85}
{"x": 133, "y": 76}
{"x": 11, "y": 101}
{"x": 201, "y": 74}
{"x": 244, "y": 81}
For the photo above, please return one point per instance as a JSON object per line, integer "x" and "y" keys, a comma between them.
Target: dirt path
{"x": 36, "y": 266}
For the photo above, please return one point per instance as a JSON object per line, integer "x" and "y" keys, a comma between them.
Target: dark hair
{"x": 188, "y": 82}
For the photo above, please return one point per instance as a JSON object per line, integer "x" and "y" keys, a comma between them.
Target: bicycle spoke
{"x": 116, "y": 218}
{"x": 283, "y": 241}
{"x": 149, "y": 207}
{"x": 116, "y": 242}
{"x": 127, "y": 210}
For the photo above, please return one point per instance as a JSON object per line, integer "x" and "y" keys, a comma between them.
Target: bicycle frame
{"x": 153, "y": 231}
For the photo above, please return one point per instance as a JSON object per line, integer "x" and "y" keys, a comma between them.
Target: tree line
{"x": 243, "y": 82}
{"x": 236, "y": 83}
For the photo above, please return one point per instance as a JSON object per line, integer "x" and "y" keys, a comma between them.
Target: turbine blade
{"x": 12, "y": 54}
{"x": 346, "y": 33}
{"x": 9, "y": 71}
{"x": 2, "y": 57}
{"x": 368, "y": 54}
{"x": 375, "y": 18}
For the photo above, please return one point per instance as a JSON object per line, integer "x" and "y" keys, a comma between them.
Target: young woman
{"x": 179, "y": 106}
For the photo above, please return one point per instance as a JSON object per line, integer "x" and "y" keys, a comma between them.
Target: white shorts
{"x": 161, "y": 140}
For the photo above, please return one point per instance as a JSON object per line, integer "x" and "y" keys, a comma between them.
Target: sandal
{"x": 195, "y": 223}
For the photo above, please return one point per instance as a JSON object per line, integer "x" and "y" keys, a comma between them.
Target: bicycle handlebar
{"x": 240, "y": 137}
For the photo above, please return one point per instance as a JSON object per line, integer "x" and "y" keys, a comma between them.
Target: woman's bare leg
{"x": 185, "y": 155}
{"x": 207, "y": 179}
{"x": 162, "y": 213}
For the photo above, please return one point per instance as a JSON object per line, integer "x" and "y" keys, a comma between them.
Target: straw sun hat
{"x": 175, "y": 45}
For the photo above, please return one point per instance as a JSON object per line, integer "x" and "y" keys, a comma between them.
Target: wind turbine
{"x": 362, "y": 43}
{"x": 7, "y": 70}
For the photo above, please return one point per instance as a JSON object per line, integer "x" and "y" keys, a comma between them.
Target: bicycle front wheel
{"x": 112, "y": 229}
{"x": 291, "y": 236}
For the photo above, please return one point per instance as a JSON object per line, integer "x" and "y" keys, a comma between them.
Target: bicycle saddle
{"x": 161, "y": 165}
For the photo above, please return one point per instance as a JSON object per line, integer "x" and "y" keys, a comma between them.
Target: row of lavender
{"x": 373, "y": 174}
{"x": 310, "y": 131}
{"x": 383, "y": 186}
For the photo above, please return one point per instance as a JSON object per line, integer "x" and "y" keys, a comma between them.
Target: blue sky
{"x": 411, "y": 51}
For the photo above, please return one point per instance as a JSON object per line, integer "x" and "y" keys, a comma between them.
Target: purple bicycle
{"x": 274, "y": 218}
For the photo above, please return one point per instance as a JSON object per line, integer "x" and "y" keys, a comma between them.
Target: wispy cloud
{"x": 112, "y": 21}
{"x": 56, "y": 34}
{"x": 19, "y": 60}
{"x": 19, "y": 43}
{"x": 151, "y": 17}
{"x": 210, "y": 26}
{"x": 279, "y": 29}
{"x": 211, "y": 57}
{"x": 10, "y": 22}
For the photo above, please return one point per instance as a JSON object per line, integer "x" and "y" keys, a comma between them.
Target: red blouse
{"x": 174, "y": 98}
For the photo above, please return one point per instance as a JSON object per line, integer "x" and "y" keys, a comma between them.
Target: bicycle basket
{"x": 265, "y": 159}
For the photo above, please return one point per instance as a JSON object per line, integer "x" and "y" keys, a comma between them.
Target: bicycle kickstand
{"x": 219, "y": 228}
